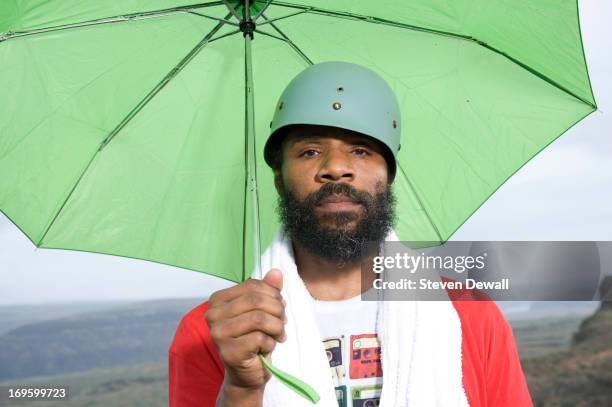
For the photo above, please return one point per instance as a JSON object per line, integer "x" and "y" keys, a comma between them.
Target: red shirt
{"x": 492, "y": 374}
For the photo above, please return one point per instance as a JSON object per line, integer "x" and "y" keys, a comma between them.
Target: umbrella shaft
{"x": 251, "y": 167}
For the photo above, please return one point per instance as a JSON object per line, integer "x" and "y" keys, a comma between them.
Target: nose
{"x": 335, "y": 166}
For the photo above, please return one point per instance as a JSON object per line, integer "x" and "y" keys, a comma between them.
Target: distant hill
{"x": 12, "y": 316}
{"x": 546, "y": 327}
{"x": 125, "y": 335}
{"x": 581, "y": 376}
{"x": 522, "y": 311}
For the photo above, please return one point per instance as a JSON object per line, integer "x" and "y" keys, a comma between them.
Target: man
{"x": 332, "y": 148}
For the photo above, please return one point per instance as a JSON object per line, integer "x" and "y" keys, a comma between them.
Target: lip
{"x": 337, "y": 202}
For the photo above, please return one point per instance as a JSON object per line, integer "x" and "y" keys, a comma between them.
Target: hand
{"x": 245, "y": 320}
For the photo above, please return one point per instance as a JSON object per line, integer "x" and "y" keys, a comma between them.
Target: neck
{"x": 332, "y": 280}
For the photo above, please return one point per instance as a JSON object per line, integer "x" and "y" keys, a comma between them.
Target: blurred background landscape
{"x": 115, "y": 353}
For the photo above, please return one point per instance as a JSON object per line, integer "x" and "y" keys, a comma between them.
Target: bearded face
{"x": 338, "y": 221}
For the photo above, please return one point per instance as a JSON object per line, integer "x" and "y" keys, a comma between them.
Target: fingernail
{"x": 284, "y": 302}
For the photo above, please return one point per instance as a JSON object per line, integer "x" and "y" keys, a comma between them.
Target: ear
{"x": 389, "y": 178}
{"x": 278, "y": 181}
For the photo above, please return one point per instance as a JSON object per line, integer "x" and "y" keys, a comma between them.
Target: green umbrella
{"x": 136, "y": 128}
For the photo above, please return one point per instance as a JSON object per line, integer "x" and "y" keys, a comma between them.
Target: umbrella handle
{"x": 292, "y": 382}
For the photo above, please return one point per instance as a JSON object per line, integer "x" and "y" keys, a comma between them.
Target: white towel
{"x": 420, "y": 345}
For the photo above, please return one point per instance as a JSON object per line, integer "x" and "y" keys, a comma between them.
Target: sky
{"x": 563, "y": 193}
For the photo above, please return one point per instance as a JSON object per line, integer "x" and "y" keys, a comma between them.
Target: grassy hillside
{"x": 142, "y": 385}
{"x": 580, "y": 376}
{"x": 542, "y": 336}
{"x": 133, "y": 334}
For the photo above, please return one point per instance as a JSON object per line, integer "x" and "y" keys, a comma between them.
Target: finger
{"x": 250, "y": 302}
{"x": 262, "y": 343}
{"x": 274, "y": 277}
{"x": 247, "y": 347}
{"x": 252, "y": 321}
{"x": 250, "y": 285}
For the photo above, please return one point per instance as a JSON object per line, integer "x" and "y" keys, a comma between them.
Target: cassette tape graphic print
{"x": 366, "y": 396}
{"x": 365, "y": 356}
{"x": 335, "y": 350}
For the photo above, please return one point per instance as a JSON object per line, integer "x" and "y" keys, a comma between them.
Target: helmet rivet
{"x": 336, "y": 105}
{"x": 280, "y": 107}
{"x": 394, "y": 124}
{"x": 340, "y": 89}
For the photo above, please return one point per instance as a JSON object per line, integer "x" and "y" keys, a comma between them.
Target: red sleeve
{"x": 492, "y": 373}
{"x": 506, "y": 385}
{"x": 195, "y": 371}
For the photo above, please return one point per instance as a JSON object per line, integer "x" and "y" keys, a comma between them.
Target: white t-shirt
{"x": 348, "y": 330}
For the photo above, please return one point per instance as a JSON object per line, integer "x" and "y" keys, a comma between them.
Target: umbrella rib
{"x": 232, "y": 9}
{"x": 377, "y": 20}
{"x": 171, "y": 74}
{"x": 223, "y": 36}
{"x": 300, "y": 53}
{"x": 368, "y": 19}
{"x": 535, "y": 72}
{"x": 433, "y": 225}
{"x": 109, "y": 20}
{"x": 285, "y": 39}
{"x": 260, "y": 12}
{"x": 282, "y": 17}
{"x": 212, "y": 18}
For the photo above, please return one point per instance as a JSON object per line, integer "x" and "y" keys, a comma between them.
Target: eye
{"x": 361, "y": 151}
{"x": 309, "y": 153}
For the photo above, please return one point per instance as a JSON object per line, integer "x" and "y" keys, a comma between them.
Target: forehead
{"x": 314, "y": 133}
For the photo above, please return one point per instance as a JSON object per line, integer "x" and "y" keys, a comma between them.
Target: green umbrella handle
{"x": 292, "y": 382}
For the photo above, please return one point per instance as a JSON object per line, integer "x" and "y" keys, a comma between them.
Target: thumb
{"x": 274, "y": 277}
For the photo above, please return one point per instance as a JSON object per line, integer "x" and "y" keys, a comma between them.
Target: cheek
{"x": 299, "y": 180}
{"x": 375, "y": 171}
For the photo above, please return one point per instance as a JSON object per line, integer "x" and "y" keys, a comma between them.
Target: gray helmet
{"x": 344, "y": 95}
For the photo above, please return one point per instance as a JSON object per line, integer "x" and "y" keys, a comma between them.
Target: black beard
{"x": 343, "y": 243}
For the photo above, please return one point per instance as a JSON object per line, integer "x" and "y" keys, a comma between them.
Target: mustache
{"x": 360, "y": 197}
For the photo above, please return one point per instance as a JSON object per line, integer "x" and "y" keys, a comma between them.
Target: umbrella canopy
{"x": 136, "y": 128}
